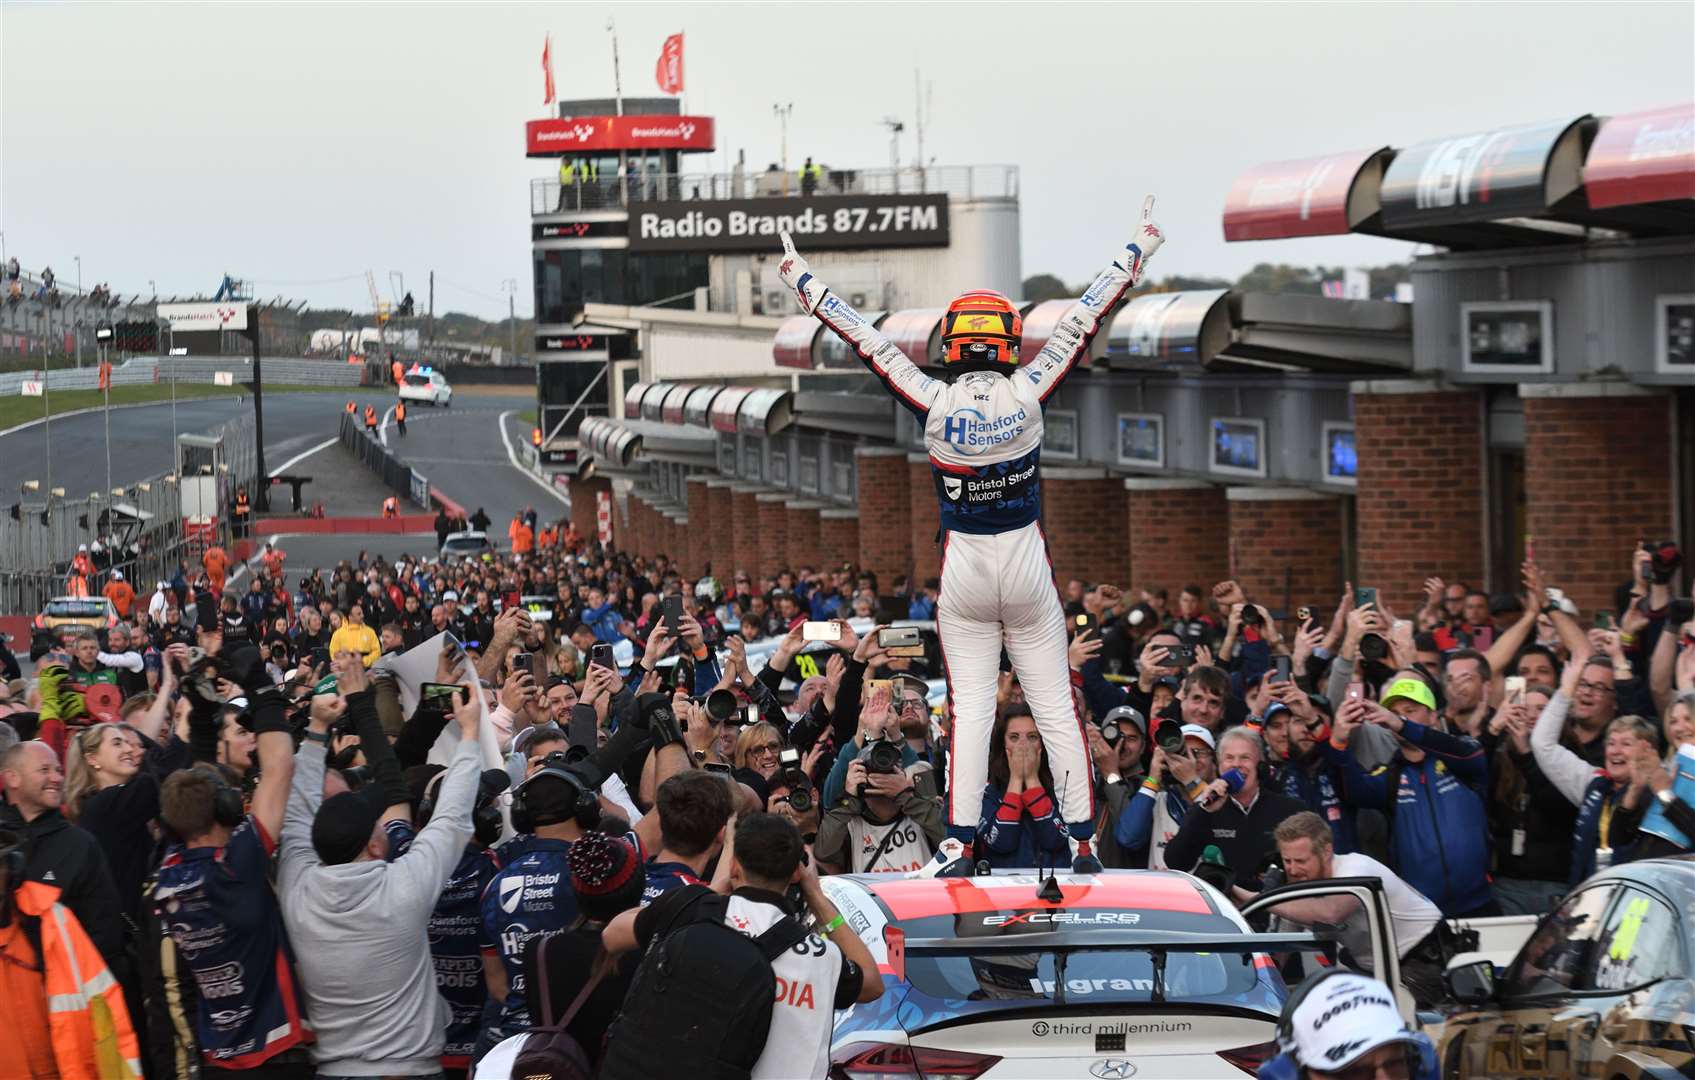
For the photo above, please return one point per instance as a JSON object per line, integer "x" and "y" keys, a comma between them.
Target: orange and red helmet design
{"x": 982, "y": 326}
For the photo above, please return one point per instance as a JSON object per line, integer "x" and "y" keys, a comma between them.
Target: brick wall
{"x": 700, "y": 526}
{"x": 1597, "y": 479}
{"x": 640, "y": 531}
{"x": 744, "y": 527}
{"x": 1419, "y": 501}
{"x": 926, "y": 518}
{"x": 720, "y": 538}
{"x": 667, "y": 535}
{"x": 838, "y": 538}
{"x": 885, "y": 506}
{"x": 1287, "y": 544}
{"x": 801, "y": 533}
{"x": 773, "y": 536}
{"x": 585, "y": 497}
{"x": 1179, "y": 534}
{"x": 1085, "y": 518}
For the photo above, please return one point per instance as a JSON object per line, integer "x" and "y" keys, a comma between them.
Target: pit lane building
{"x": 1540, "y": 383}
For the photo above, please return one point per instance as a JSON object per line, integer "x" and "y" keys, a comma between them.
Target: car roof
{"x": 1673, "y": 875}
{"x": 1003, "y": 890}
{"x": 468, "y": 534}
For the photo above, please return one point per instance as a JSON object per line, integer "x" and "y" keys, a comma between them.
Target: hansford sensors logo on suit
{"x": 974, "y": 433}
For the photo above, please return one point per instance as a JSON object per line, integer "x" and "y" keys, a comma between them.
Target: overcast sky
{"x": 300, "y": 145}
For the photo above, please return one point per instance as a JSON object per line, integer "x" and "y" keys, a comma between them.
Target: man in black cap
{"x": 358, "y": 922}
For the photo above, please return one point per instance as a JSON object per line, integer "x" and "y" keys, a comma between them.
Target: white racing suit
{"x": 983, "y": 433}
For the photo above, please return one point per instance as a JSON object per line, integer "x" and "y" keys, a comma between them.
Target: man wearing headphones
{"x": 214, "y": 896}
{"x": 1340, "y": 1025}
{"x": 530, "y": 896}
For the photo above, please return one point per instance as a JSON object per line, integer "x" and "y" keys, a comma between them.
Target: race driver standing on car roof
{"x": 983, "y": 431}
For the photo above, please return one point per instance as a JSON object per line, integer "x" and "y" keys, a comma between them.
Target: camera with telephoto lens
{"x": 1251, "y": 615}
{"x": 793, "y": 777}
{"x": 1109, "y": 731}
{"x": 1663, "y": 560}
{"x": 1168, "y": 736}
{"x": 881, "y": 756}
{"x": 1373, "y": 647}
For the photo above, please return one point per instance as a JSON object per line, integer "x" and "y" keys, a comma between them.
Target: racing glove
{"x": 808, "y": 290}
{"x": 1149, "y": 236}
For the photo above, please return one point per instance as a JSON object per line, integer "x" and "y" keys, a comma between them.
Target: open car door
{"x": 1353, "y": 912}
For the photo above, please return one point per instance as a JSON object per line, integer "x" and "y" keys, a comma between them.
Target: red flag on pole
{"x": 669, "y": 70}
{"x": 547, "y": 69}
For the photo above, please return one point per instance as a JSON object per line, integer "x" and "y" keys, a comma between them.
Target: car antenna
{"x": 1050, "y": 892}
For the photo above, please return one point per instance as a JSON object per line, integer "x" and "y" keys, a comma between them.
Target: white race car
{"x": 426, "y": 385}
{"x": 1127, "y": 973}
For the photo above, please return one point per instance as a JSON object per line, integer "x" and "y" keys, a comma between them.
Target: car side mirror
{"x": 1470, "y": 979}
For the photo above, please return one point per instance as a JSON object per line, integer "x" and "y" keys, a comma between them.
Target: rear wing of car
{"x": 1062, "y": 944}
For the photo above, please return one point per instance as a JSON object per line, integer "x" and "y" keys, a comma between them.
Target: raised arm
{"x": 1078, "y": 326}
{"x": 898, "y": 374}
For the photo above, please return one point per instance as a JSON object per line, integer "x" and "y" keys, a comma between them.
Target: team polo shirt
{"x": 218, "y": 906}
{"x": 529, "y": 897}
{"x": 455, "y": 931}
{"x": 663, "y": 877}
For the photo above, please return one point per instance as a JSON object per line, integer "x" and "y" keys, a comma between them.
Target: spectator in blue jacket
{"x": 923, "y": 605}
{"x": 1433, "y": 793}
{"x": 1020, "y": 825}
{"x": 603, "y": 617}
{"x": 1296, "y": 729}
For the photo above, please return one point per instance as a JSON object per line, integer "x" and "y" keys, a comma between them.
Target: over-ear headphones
{"x": 585, "y": 810}
{"x": 229, "y": 809}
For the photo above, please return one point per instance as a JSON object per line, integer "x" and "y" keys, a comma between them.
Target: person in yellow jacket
{"x": 356, "y": 637}
{"x": 65, "y": 1013}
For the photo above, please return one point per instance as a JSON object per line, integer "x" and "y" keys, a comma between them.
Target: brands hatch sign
{"x": 820, "y": 223}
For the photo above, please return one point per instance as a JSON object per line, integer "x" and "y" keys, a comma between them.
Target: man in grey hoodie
{"x": 359, "y": 923}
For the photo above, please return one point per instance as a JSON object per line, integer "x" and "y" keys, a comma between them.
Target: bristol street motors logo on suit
{"x": 972, "y": 433}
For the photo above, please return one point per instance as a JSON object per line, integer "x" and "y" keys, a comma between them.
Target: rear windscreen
{"x": 76, "y": 609}
{"x": 1118, "y": 975}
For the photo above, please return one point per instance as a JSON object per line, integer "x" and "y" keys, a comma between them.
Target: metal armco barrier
{"x": 398, "y": 477}
{"x": 145, "y": 371}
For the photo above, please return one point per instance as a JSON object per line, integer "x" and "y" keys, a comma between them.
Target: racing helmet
{"x": 982, "y": 329}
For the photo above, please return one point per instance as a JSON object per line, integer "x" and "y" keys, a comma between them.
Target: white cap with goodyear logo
{"x": 1345, "y": 1017}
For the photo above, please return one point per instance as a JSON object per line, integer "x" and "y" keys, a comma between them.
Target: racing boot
{"x": 953, "y": 859}
{"x": 1084, "y": 860}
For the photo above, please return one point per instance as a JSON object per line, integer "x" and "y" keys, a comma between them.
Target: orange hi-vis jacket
{"x": 88, "y": 1023}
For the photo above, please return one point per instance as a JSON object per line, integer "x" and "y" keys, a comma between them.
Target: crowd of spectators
{"x": 289, "y": 859}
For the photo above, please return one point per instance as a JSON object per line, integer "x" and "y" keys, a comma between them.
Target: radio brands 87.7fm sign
{"x": 820, "y": 223}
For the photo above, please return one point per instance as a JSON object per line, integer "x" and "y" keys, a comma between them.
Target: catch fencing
{"x": 147, "y": 371}
{"x": 140, "y": 532}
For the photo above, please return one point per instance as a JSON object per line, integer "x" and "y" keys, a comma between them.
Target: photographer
{"x": 1116, "y": 742}
{"x": 360, "y": 922}
{"x": 1296, "y": 728}
{"x": 1233, "y": 812}
{"x": 1182, "y": 767}
{"x": 882, "y": 824}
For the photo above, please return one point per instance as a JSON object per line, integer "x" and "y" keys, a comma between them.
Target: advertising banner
{"x": 586, "y": 134}
{"x": 819, "y": 223}
{"x": 206, "y": 316}
{"x": 1482, "y": 177}
{"x": 1642, "y": 157}
{"x": 1304, "y": 197}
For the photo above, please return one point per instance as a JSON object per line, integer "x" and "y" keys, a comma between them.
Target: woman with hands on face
{"x": 1020, "y": 824}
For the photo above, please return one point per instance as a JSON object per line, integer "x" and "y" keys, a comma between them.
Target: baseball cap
{"x": 1124, "y": 713}
{"x": 1342, "y": 1018}
{"x": 1274, "y": 707}
{"x": 117, "y": 575}
{"x": 1410, "y": 689}
{"x": 344, "y": 824}
{"x": 1196, "y": 731}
